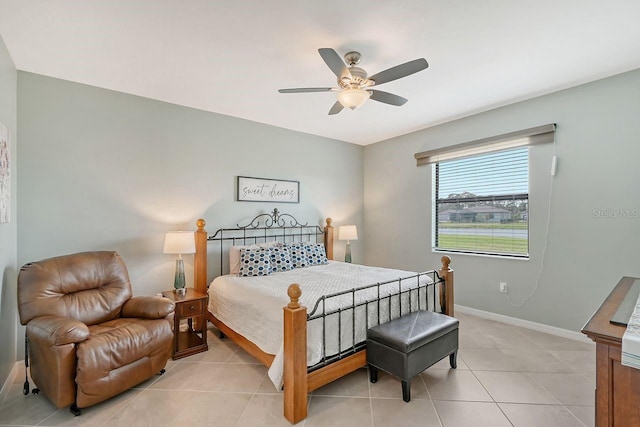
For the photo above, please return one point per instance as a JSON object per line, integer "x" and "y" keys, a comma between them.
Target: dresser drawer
{"x": 191, "y": 308}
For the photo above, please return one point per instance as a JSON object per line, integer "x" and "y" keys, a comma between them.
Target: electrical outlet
{"x": 503, "y": 287}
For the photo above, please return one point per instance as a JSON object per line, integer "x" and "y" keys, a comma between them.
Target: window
{"x": 481, "y": 203}
{"x": 481, "y": 193}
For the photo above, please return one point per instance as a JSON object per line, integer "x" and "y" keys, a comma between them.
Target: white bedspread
{"x": 252, "y": 306}
{"x": 631, "y": 340}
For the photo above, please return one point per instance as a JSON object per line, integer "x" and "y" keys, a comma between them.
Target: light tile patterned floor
{"x": 506, "y": 376}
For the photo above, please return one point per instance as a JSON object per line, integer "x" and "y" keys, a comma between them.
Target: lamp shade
{"x": 347, "y": 232}
{"x": 179, "y": 242}
{"x": 353, "y": 98}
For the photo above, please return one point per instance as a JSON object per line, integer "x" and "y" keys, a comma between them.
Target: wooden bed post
{"x": 200, "y": 258}
{"x": 328, "y": 238}
{"x": 446, "y": 297}
{"x": 295, "y": 357}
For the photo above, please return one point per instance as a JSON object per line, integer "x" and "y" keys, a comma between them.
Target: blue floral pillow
{"x": 298, "y": 254}
{"x": 280, "y": 258}
{"x": 316, "y": 254}
{"x": 254, "y": 262}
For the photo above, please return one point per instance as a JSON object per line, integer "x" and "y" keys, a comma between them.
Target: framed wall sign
{"x": 267, "y": 190}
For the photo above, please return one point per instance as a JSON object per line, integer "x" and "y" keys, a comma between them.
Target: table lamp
{"x": 347, "y": 232}
{"x": 179, "y": 242}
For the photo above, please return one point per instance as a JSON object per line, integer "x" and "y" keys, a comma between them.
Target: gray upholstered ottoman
{"x": 408, "y": 345}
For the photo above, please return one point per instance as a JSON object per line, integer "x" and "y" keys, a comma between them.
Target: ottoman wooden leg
{"x": 373, "y": 374}
{"x": 453, "y": 359}
{"x": 406, "y": 390}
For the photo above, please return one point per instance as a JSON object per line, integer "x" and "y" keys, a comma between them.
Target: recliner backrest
{"x": 89, "y": 286}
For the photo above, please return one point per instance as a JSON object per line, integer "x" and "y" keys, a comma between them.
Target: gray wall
{"x": 8, "y": 231}
{"x": 598, "y": 147}
{"x": 100, "y": 169}
{"x": 104, "y": 170}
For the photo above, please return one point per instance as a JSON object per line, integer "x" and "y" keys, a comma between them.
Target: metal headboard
{"x": 263, "y": 228}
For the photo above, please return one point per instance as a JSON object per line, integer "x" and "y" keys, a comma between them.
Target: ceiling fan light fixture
{"x": 354, "y": 85}
{"x": 353, "y": 98}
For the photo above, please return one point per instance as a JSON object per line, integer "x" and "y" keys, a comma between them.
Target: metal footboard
{"x": 354, "y": 311}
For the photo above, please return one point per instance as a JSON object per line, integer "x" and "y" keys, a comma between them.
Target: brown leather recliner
{"x": 88, "y": 339}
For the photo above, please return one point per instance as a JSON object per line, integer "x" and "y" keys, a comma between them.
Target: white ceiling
{"x": 231, "y": 57}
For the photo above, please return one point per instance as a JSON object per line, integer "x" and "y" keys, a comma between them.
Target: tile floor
{"x": 506, "y": 376}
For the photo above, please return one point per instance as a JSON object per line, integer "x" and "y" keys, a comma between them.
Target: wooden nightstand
{"x": 192, "y": 305}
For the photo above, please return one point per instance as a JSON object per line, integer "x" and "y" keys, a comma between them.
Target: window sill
{"x": 456, "y": 253}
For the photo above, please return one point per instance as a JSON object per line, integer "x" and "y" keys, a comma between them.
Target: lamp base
{"x": 347, "y": 253}
{"x": 179, "y": 281}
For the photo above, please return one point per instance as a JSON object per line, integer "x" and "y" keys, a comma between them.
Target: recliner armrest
{"x": 57, "y": 330}
{"x": 148, "y": 307}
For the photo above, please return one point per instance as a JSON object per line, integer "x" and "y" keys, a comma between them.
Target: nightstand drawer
{"x": 191, "y": 308}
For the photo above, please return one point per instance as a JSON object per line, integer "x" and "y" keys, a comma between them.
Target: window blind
{"x": 486, "y": 176}
{"x": 482, "y": 204}
{"x": 532, "y": 136}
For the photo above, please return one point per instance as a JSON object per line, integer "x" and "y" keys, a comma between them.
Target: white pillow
{"x": 269, "y": 245}
{"x": 234, "y": 254}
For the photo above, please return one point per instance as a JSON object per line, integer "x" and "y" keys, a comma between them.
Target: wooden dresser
{"x": 617, "y": 386}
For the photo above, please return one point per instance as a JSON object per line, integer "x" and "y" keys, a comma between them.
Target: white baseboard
{"x": 7, "y": 384}
{"x": 540, "y": 327}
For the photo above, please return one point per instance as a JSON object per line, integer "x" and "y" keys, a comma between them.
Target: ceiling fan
{"x": 354, "y": 86}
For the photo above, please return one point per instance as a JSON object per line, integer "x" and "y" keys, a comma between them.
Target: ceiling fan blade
{"x": 337, "y": 107}
{"x": 387, "y": 98}
{"x": 400, "y": 71}
{"x": 306, "y": 89}
{"x": 333, "y": 60}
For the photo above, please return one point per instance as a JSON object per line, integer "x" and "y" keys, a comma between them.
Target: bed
{"x": 267, "y": 316}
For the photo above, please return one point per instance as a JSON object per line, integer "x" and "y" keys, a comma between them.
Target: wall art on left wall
{"x": 5, "y": 178}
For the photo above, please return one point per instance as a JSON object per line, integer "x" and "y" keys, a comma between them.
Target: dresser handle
{"x": 192, "y": 307}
